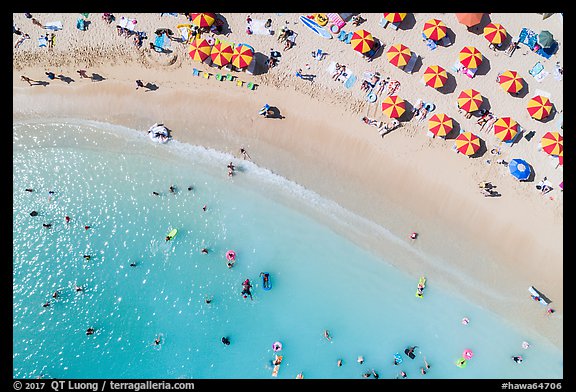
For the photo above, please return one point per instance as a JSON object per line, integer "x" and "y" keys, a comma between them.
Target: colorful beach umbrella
{"x": 242, "y": 56}
{"x": 362, "y": 41}
{"x": 435, "y": 76}
{"x": 393, "y": 106}
{"x": 519, "y": 168}
{"x": 467, "y": 143}
{"x": 203, "y": 19}
{"x": 495, "y": 33}
{"x": 539, "y": 107}
{"x": 469, "y": 18}
{"x": 399, "y": 55}
{"x": 553, "y": 144}
{"x": 470, "y": 57}
{"x": 221, "y": 54}
{"x": 394, "y": 17}
{"x": 510, "y": 81}
{"x": 470, "y": 100}
{"x": 434, "y": 29}
{"x": 199, "y": 49}
{"x": 505, "y": 128}
{"x": 440, "y": 124}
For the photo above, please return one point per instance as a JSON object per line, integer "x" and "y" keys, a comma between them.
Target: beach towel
{"x": 81, "y": 24}
{"x": 528, "y": 37}
{"x": 336, "y": 19}
{"x": 42, "y": 41}
{"x": 536, "y": 69}
{"x": 53, "y": 26}
{"x": 160, "y": 42}
{"x": 257, "y": 27}
{"x": 541, "y": 76}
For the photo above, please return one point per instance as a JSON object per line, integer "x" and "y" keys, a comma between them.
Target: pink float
{"x": 231, "y": 255}
{"x": 467, "y": 354}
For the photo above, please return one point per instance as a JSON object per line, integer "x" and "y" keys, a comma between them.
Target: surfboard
{"x": 422, "y": 282}
{"x": 277, "y": 367}
{"x": 172, "y": 233}
{"x": 266, "y": 285}
{"x": 315, "y": 27}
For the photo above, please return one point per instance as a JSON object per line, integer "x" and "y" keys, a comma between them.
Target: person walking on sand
{"x": 139, "y": 84}
{"x": 244, "y": 154}
{"x": 83, "y": 74}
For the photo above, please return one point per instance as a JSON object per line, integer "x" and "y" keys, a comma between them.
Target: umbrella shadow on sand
{"x": 274, "y": 112}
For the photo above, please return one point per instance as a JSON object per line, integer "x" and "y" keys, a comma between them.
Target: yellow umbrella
{"x": 505, "y": 128}
{"x": 199, "y": 49}
{"x": 495, "y": 33}
{"x": 470, "y": 57}
{"x": 399, "y": 55}
{"x": 221, "y": 53}
{"x": 510, "y": 81}
{"x": 203, "y": 19}
{"x": 362, "y": 41}
{"x": 440, "y": 124}
{"x": 553, "y": 143}
{"x": 434, "y": 29}
{"x": 467, "y": 143}
{"x": 243, "y": 55}
{"x": 393, "y": 106}
{"x": 470, "y": 100}
{"x": 394, "y": 17}
{"x": 539, "y": 107}
{"x": 435, "y": 76}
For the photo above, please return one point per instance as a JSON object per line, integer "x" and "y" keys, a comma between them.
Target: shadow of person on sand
{"x": 66, "y": 79}
{"x": 96, "y": 77}
{"x": 151, "y": 87}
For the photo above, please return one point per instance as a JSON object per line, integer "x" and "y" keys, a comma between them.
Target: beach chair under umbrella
{"x": 470, "y": 57}
{"x": 434, "y": 29}
{"x": 399, "y": 55}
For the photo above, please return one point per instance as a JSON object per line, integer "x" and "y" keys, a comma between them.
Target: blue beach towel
{"x": 42, "y": 41}
{"x": 159, "y": 42}
{"x": 350, "y": 81}
{"x": 536, "y": 69}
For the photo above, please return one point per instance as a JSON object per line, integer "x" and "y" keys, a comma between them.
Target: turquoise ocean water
{"x": 103, "y": 176}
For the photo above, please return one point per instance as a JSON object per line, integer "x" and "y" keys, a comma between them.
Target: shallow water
{"x": 103, "y": 176}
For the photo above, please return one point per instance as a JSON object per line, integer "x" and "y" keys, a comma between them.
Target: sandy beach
{"x": 405, "y": 181}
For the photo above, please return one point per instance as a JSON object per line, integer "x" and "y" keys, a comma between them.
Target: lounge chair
{"x": 395, "y": 25}
{"x": 206, "y": 74}
{"x": 218, "y": 77}
{"x": 536, "y": 69}
{"x": 342, "y": 36}
{"x": 511, "y": 48}
{"x": 408, "y": 68}
{"x": 383, "y": 22}
{"x": 431, "y": 44}
{"x": 319, "y": 54}
{"x": 250, "y": 85}
{"x": 195, "y": 72}
{"x": 239, "y": 83}
{"x": 229, "y": 77}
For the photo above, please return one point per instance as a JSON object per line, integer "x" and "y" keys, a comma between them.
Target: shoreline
{"x": 403, "y": 182}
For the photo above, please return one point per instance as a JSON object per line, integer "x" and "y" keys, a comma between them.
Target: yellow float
{"x": 321, "y": 19}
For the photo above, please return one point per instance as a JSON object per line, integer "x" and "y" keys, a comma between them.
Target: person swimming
{"x": 226, "y": 341}
{"x": 327, "y": 335}
{"x": 33, "y": 213}
{"x": 90, "y": 331}
{"x": 87, "y": 257}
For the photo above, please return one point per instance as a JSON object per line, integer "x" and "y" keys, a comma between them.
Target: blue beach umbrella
{"x": 519, "y": 168}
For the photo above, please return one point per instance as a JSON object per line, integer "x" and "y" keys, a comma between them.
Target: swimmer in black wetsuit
{"x": 226, "y": 341}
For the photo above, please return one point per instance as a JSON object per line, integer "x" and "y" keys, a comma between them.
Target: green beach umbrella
{"x": 545, "y": 39}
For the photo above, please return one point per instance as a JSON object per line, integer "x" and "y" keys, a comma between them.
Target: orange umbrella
{"x": 362, "y": 41}
{"x": 394, "y": 17}
{"x": 221, "y": 54}
{"x": 434, "y": 29}
{"x": 470, "y": 57}
{"x": 511, "y": 81}
{"x": 467, "y": 143}
{"x": 553, "y": 144}
{"x": 469, "y": 18}
{"x": 469, "y": 100}
{"x": 495, "y": 33}
{"x": 435, "y": 76}
{"x": 440, "y": 124}
{"x": 242, "y": 56}
{"x": 393, "y": 106}
{"x": 505, "y": 128}
{"x": 539, "y": 107}
{"x": 203, "y": 19}
{"x": 199, "y": 49}
{"x": 399, "y": 55}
